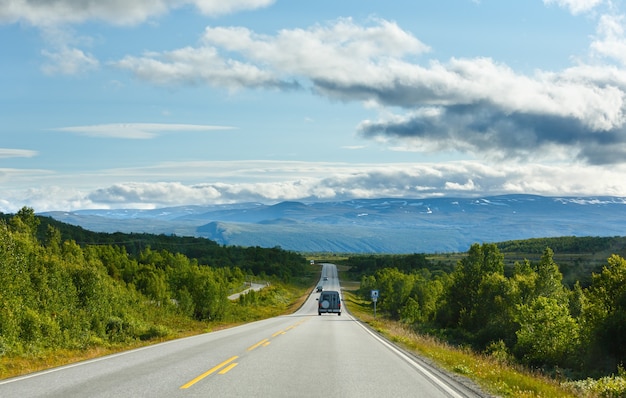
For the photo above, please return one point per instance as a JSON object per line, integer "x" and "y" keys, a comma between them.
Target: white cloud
{"x": 191, "y": 66}
{"x": 351, "y": 62}
{"x": 220, "y": 7}
{"x": 54, "y": 17}
{"x": 137, "y": 130}
{"x": 116, "y": 12}
{"x": 17, "y": 153}
{"x": 611, "y": 41}
{"x": 68, "y": 61}
{"x": 483, "y": 81}
{"x": 486, "y": 108}
{"x": 337, "y": 51}
{"x": 469, "y": 186}
{"x": 576, "y": 6}
{"x": 270, "y": 182}
{"x": 63, "y": 55}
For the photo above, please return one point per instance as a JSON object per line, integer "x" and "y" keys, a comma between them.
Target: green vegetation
{"x": 578, "y": 257}
{"x": 526, "y": 317}
{"x": 59, "y": 298}
{"x": 519, "y": 327}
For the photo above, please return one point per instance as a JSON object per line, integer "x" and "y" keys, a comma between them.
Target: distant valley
{"x": 371, "y": 225}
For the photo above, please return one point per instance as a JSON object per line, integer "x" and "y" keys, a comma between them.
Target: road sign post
{"x": 374, "y": 295}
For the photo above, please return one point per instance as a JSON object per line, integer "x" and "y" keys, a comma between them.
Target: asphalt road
{"x": 253, "y": 286}
{"x": 299, "y": 355}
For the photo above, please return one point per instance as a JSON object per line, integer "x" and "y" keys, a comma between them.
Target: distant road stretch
{"x": 299, "y": 355}
{"x": 253, "y": 286}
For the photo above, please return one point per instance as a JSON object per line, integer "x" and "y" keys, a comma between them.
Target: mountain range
{"x": 386, "y": 225}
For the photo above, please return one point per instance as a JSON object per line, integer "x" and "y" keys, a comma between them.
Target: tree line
{"x": 526, "y": 316}
{"x": 58, "y": 294}
{"x": 252, "y": 260}
{"x": 562, "y": 244}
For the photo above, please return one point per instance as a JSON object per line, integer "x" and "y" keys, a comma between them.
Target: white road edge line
{"x": 412, "y": 362}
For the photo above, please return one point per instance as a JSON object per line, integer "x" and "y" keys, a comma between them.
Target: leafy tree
{"x": 368, "y": 283}
{"x": 152, "y": 282}
{"x": 25, "y": 221}
{"x": 428, "y": 291}
{"x": 464, "y": 295}
{"x": 411, "y": 312}
{"x": 549, "y": 278}
{"x": 53, "y": 239}
{"x": 524, "y": 280}
{"x": 493, "y": 318}
{"x": 548, "y": 335}
{"x": 577, "y": 301}
{"x": 185, "y": 302}
{"x": 604, "y": 316}
{"x": 14, "y": 287}
{"x": 395, "y": 288}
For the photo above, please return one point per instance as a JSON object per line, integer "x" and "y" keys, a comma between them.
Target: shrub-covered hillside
{"x": 526, "y": 315}
{"x": 58, "y": 294}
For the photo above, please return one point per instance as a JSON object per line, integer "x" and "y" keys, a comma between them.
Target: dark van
{"x": 329, "y": 302}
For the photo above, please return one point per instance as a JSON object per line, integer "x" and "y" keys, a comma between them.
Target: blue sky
{"x": 155, "y": 103}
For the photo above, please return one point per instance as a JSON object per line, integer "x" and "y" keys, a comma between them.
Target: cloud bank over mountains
{"x": 249, "y": 182}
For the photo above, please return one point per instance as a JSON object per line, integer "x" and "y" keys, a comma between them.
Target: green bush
{"x": 155, "y": 331}
{"x": 607, "y": 387}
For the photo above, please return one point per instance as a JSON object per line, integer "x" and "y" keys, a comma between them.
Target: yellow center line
{"x": 288, "y": 328}
{"x": 226, "y": 369}
{"x": 208, "y": 372}
{"x": 257, "y": 344}
{"x": 264, "y": 343}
